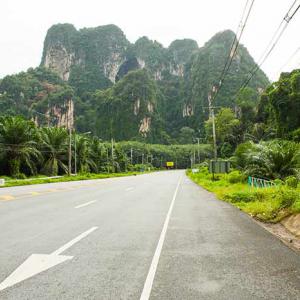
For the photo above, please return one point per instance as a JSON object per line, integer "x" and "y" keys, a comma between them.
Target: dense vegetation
{"x": 34, "y": 93}
{"x": 266, "y": 204}
{"x": 279, "y": 107}
{"x": 26, "y": 149}
{"x": 276, "y": 160}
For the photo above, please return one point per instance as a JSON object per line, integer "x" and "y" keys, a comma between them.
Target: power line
{"x": 232, "y": 53}
{"x": 235, "y": 44}
{"x": 273, "y": 42}
{"x": 289, "y": 60}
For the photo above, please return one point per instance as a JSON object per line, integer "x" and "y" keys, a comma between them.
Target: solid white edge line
{"x": 85, "y": 204}
{"x": 74, "y": 241}
{"x": 151, "y": 274}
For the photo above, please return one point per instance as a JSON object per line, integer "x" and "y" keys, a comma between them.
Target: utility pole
{"x": 112, "y": 154}
{"x": 70, "y": 124}
{"x": 194, "y": 156}
{"x": 70, "y": 152}
{"x": 107, "y": 159}
{"x": 212, "y": 114}
{"x": 198, "y": 141}
{"x": 75, "y": 154}
{"x": 131, "y": 155}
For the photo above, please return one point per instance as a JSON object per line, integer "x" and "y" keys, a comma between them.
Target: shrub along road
{"x": 156, "y": 236}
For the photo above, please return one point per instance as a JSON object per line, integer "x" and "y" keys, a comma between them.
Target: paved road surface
{"x": 156, "y": 236}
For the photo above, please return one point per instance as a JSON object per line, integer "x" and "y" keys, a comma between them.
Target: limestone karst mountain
{"x": 126, "y": 90}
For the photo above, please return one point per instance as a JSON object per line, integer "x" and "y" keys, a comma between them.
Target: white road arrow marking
{"x": 37, "y": 263}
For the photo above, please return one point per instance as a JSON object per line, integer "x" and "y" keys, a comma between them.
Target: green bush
{"x": 142, "y": 167}
{"x": 19, "y": 176}
{"x": 296, "y": 206}
{"x": 287, "y": 197}
{"x": 204, "y": 170}
{"x": 236, "y": 177}
{"x": 242, "y": 196}
{"x": 278, "y": 182}
{"x": 291, "y": 182}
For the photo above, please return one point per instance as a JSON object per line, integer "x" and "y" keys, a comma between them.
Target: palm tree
{"x": 54, "y": 142}
{"x": 18, "y": 144}
{"x": 85, "y": 155}
{"x": 98, "y": 154}
{"x": 275, "y": 159}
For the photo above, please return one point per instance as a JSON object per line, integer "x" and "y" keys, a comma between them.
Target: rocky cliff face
{"x": 59, "y": 60}
{"x": 105, "y": 52}
{"x": 99, "y": 50}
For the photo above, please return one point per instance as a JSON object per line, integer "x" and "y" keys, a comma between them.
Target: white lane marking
{"x": 151, "y": 274}
{"x": 129, "y": 189}
{"x": 37, "y": 263}
{"x": 85, "y": 204}
{"x": 74, "y": 241}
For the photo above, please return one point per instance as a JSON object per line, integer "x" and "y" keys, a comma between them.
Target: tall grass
{"x": 266, "y": 204}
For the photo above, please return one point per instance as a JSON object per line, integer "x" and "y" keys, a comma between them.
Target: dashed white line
{"x": 85, "y": 204}
{"x": 151, "y": 274}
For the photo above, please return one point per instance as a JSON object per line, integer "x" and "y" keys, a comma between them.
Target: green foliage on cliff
{"x": 279, "y": 106}
{"x": 182, "y": 50}
{"x": 125, "y": 111}
{"x": 90, "y": 52}
{"x": 206, "y": 67}
{"x": 31, "y": 92}
{"x": 60, "y": 34}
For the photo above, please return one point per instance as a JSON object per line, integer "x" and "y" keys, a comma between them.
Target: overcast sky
{"x": 24, "y": 23}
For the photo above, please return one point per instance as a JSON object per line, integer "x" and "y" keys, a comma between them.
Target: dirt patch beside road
{"x": 288, "y": 231}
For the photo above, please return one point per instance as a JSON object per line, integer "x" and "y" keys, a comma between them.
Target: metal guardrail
{"x": 260, "y": 183}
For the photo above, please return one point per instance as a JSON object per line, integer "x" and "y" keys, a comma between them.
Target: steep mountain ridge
{"x": 158, "y": 93}
{"x": 105, "y": 52}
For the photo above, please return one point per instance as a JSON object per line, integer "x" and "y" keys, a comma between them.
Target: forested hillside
{"x": 129, "y": 91}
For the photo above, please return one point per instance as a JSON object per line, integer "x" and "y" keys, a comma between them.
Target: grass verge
{"x": 265, "y": 204}
{"x": 78, "y": 177}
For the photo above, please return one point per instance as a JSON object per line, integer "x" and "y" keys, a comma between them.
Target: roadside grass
{"x": 265, "y": 204}
{"x": 11, "y": 182}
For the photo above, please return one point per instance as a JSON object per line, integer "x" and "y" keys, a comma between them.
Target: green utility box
{"x": 219, "y": 166}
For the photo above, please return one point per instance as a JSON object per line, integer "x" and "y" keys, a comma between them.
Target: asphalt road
{"x": 155, "y": 236}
